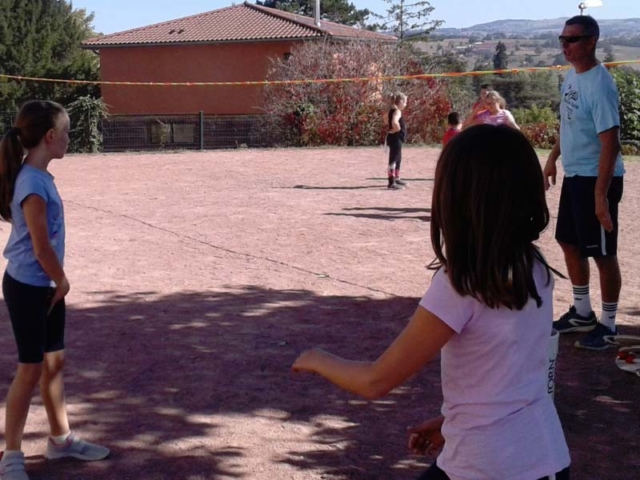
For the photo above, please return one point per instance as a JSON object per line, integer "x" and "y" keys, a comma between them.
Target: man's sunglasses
{"x": 572, "y": 38}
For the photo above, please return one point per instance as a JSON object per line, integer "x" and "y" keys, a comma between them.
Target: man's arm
{"x": 555, "y": 152}
{"x": 550, "y": 171}
{"x": 609, "y": 151}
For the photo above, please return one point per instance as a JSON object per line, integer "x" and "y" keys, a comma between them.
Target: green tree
{"x": 628, "y": 82}
{"x": 338, "y": 11}
{"x": 410, "y": 19}
{"x": 523, "y": 90}
{"x": 559, "y": 59}
{"x": 42, "y": 38}
{"x": 500, "y": 59}
{"x": 607, "y": 47}
{"x": 459, "y": 89}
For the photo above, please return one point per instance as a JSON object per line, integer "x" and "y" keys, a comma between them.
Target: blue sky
{"x": 117, "y": 15}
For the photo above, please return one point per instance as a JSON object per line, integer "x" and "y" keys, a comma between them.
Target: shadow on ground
{"x": 363, "y": 187}
{"x": 599, "y": 406}
{"x": 152, "y": 373}
{"x": 403, "y": 178}
{"x": 385, "y": 213}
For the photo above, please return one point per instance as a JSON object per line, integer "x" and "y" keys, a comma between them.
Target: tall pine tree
{"x": 500, "y": 59}
{"x": 409, "y": 19}
{"x": 42, "y": 38}
{"x": 338, "y": 11}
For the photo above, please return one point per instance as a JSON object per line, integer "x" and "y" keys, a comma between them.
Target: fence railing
{"x": 182, "y": 132}
{"x": 175, "y": 132}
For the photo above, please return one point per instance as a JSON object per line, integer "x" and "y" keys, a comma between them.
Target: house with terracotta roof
{"x": 233, "y": 44}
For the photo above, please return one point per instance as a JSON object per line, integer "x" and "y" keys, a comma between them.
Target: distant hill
{"x": 532, "y": 28}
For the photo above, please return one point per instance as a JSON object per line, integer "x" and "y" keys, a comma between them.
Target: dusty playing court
{"x": 196, "y": 280}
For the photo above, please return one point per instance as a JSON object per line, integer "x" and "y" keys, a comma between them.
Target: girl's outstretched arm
{"x": 418, "y": 343}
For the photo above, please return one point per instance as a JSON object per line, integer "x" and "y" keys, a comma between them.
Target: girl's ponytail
{"x": 34, "y": 120}
{"x": 11, "y": 154}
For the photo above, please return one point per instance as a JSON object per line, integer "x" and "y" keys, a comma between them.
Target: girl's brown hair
{"x": 397, "y": 98}
{"x": 488, "y": 207}
{"x": 34, "y": 120}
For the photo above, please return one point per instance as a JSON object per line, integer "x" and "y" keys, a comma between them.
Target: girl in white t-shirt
{"x": 495, "y": 113}
{"x": 488, "y": 311}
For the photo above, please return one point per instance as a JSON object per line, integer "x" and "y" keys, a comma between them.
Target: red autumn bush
{"x": 542, "y": 135}
{"x": 350, "y": 113}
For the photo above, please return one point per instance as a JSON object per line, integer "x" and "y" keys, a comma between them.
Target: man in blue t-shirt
{"x": 589, "y": 143}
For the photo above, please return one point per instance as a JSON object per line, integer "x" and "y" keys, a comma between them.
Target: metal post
{"x": 316, "y": 14}
{"x": 201, "y": 130}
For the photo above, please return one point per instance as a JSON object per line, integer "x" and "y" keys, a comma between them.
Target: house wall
{"x": 237, "y": 62}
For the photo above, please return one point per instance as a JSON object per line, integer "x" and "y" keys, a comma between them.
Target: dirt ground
{"x": 197, "y": 278}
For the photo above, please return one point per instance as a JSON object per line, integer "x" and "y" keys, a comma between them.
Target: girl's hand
{"x": 62, "y": 288}
{"x": 427, "y": 438}
{"x": 478, "y": 107}
{"x": 309, "y": 361}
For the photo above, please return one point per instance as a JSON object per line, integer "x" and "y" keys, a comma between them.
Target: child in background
{"x": 35, "y": 284}
{"x": 479, "y": 106}
{"x": 496, "y": 114}
{"x": 488, "y": 311}
{"x": 396, "y": 136}
{"x": 453, "y": 122}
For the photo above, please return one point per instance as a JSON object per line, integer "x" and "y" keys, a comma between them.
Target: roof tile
{"x": 245, "y": 22}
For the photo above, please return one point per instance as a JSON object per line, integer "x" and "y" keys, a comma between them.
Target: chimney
{"x": 316, "y": 13}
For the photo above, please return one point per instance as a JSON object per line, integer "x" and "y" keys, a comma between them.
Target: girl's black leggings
{"x": 395, "y": 154}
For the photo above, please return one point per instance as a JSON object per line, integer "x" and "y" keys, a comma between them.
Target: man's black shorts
{"x": 36, "y": 331}
{"x": 577, "y": 222}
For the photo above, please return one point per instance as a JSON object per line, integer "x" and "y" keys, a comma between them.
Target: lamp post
{"x": 589, "y": 4}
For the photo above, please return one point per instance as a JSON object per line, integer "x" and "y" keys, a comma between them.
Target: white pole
{"x": 589, "y": 4}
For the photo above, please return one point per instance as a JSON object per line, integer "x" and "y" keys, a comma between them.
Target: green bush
{"x": 86, "y": 115}
{"x": 539, "y": 124}
{"x": 631, "y": 149}
{"x": 535, "y": 115}
{"x": 628, "y": 82}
